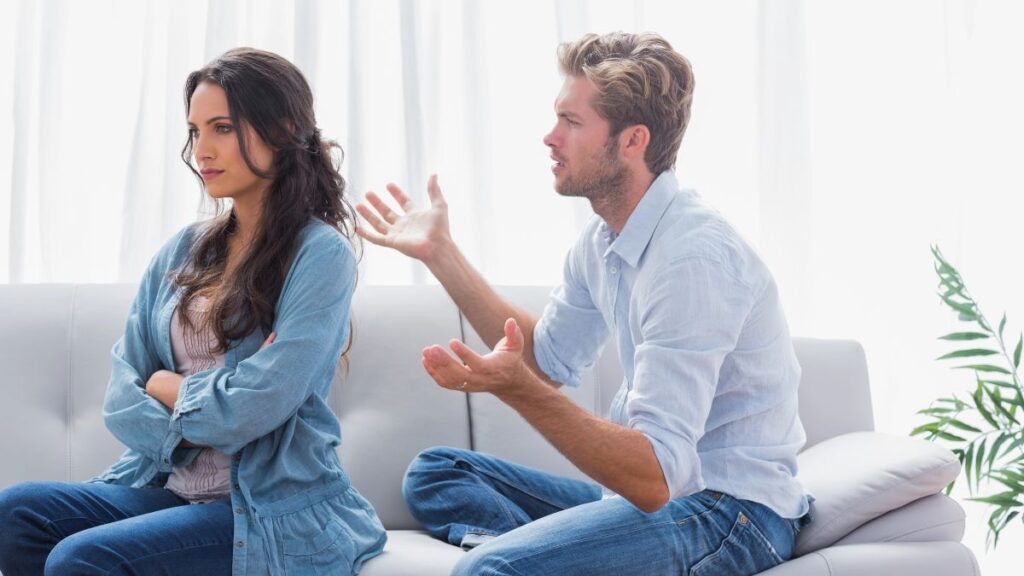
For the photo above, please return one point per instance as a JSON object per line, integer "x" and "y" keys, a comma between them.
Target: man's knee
{"x": 479, "y": 562}
{"x": 428, "y": 468}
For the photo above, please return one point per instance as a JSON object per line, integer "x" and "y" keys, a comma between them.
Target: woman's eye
{"x": 223, "y": 128}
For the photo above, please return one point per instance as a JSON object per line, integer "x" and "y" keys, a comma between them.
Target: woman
{"x": 219, "y": 385}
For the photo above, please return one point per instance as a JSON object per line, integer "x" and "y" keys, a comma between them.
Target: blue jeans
{"x": 520, "y": 521}
{"x": 83, "y": 529}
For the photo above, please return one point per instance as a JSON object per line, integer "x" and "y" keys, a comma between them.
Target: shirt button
{"x": 239, "y": 510}
{"x": 237, "y": 487}
{"x": 240, "y": 544}
{"x": 613, "y": 270}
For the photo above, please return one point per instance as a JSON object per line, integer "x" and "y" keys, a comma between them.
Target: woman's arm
{"x": 226, "y": 408}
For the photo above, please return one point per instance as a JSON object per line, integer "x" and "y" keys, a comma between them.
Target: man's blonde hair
{"x": 640, "y": 80}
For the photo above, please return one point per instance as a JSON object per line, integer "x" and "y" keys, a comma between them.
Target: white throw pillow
{"x": 857, "y": 477}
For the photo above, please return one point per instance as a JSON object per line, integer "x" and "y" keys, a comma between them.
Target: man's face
{"x": 587, "y": 163}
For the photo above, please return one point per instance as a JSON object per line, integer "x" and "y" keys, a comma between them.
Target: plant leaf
{"x": 929, "y": 427}
{"x": 968, "y": 353}
{"x": 1016, "y": 352}
{"x": 968, "y": 467}
{"x": 979, "y": 403}
{"x": 984, "y": 368}
{"x": 964, "y": 336}
{"x": 979, "y": 456}
{"x": 1013, "y": 446}
{"x": 994, "y": 450}
{"x": 935, "y": 411}
{"x": 962, "y": 425}
{"x": 1006, "y": 499}
{"x": 1002, "y": 324}
{"x": 1001, "y": 384}
{"x": 947, "y": 436}
{"x": 964, "y": 308}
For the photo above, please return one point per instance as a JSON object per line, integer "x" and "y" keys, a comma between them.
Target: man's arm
{"x": 424, "y": 234}
{"x": 616, "y": 457}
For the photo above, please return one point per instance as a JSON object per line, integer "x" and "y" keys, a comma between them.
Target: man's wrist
{"x": 441, "y": 254}
{"x": 529, "y": 388}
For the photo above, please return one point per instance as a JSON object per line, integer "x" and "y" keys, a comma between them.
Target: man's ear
{"x": 633, "y": 141}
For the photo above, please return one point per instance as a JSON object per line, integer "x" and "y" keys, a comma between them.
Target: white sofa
{"x": 879, "y": 510}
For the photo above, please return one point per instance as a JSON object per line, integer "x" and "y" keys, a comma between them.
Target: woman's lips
{"x": 211, "y": 174}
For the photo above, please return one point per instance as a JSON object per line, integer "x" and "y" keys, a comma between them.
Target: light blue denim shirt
{"x": 710, "y": 373}
{"x": 296, "y": 511}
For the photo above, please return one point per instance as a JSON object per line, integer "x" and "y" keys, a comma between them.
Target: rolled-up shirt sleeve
{"x": 571, "y": 332}
{"x": 690, "y": 319}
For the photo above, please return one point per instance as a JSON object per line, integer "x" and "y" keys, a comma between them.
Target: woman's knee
{"x": 19, "y": 504}
{"x": 74, "y": 555}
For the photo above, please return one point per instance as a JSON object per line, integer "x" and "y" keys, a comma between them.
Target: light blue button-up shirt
{"x": 296, "y": 512}
{"x": 710, "y": 373}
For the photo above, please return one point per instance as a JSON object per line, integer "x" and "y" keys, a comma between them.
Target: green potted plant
{"x": 982, "y": 426}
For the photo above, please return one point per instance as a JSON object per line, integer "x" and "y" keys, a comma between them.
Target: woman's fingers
{"x": 270, "y": 340}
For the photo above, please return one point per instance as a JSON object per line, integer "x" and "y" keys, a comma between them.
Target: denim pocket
{"x": 744, "y": 551}
{"x": 309, "y": 549}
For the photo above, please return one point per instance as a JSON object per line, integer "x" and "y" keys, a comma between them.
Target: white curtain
{"x": 841, "y": 137}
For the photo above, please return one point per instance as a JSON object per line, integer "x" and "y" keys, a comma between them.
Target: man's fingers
{"x": 434, "y": 191}
{"x": 513, "y": 335}
{"x": 466, "y": 354}
{"x": 403, "y": 200}
{"x": 444, "y": 369}
{"x": 371, "y": 235}
{"x": 371, "y": 217}
{"x": 382, "y": 208}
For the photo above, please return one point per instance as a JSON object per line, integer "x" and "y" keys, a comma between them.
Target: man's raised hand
{"x": 417, "y": 233}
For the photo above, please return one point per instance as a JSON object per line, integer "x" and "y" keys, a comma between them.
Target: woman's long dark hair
{"x": 268, "y": 95}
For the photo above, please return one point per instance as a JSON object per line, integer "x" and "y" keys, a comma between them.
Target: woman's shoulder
{"x": 318, "y": 236}
{"x": 176, "y": 248}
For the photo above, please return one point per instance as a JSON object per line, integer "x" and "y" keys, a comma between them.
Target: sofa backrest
{"x": 55, "y": 345}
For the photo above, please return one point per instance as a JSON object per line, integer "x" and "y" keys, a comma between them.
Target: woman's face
{"x": 215, "y": 148}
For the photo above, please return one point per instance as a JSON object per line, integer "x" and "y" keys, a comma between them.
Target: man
{"x": 696, "y": 465}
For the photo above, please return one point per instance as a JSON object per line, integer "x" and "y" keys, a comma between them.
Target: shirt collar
{"x": 636, "y": 234}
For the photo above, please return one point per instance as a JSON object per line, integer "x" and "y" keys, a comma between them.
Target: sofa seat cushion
{"x": 860, "y": 476}
{"x": 413, "y": 552}
{"x": 896, "y": 558}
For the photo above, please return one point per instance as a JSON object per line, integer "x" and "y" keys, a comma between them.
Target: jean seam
{"x": 700, "y": 514}
{"x": 52, "y": 524}
{"x": 160, "y": 553}
{"x": 585, "y": 539}
{"x": 761, "y": 536}
{"x": 510, "y": 567}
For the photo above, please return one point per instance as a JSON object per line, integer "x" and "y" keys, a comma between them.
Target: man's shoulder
{"x": 694, "y": 233}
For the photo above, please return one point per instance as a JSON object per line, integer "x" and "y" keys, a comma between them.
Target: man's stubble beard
{"x": 603, "y": 183}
